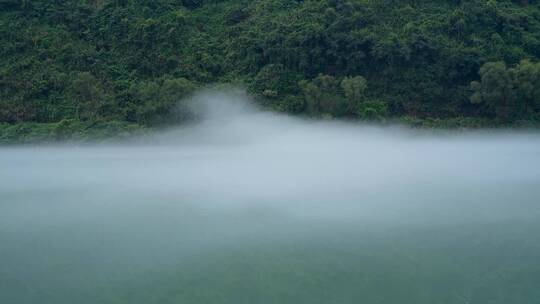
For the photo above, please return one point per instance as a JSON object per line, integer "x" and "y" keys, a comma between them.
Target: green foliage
{"x": 526, "y": 78}
{"x": 495, "y": 89}
{"x": 161, "y": 101}
{"x": 330, "y": 96}
{"x": 274, "y": 78}
{"x": 90, "y": 98}
{"x": 115, "y": 60}
{"x": 322, "y": 96}
{"x": 354, "y": 89}
{"x": 293, "y": 104}
{"x": 68, "y": 129}
{"x": 373, "y": 110}
{"x": 510, "y": 93}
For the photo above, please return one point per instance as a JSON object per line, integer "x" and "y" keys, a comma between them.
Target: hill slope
{"x": 133, "y": 60}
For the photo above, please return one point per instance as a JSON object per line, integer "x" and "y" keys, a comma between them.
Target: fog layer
{"x": 79, "y": 218}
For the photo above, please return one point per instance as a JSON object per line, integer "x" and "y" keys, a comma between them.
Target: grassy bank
{"x": 74, "y": 131}
{"x": 67, "y": 131}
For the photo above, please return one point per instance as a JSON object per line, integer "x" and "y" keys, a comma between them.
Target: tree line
{"x": 135, "y": 60}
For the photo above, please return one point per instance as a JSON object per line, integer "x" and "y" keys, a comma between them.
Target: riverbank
{"x": 68, "y": 131}
{"x": 74, "y": 131}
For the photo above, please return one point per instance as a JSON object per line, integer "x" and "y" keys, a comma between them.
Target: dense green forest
{"x": 119, "y": 65}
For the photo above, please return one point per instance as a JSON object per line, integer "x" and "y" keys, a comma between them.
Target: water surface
{"x": 252, "y": 207}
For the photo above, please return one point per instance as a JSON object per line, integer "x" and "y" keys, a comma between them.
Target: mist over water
{"x": 248, "y": 206}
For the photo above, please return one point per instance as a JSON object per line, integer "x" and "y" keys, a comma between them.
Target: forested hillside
{"x": 72, "y": 64}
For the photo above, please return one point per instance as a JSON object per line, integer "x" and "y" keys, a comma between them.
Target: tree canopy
{"x": 133, "y": 60}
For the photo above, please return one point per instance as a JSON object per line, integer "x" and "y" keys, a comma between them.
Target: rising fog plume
{"x": 200, "y": 213}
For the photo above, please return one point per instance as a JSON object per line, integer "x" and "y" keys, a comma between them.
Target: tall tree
{"x": 354, "y": 89}
{"x": 495, "y": 89}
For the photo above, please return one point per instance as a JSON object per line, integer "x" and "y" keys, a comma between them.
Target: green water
{"x": 301, "y": 218}
{"x": 101, "y": 253}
